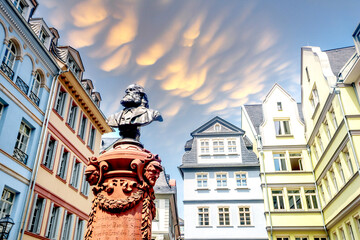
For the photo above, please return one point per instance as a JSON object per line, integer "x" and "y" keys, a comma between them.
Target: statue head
{"x": 135, "y": 96}
{"x": 152, "y": 172}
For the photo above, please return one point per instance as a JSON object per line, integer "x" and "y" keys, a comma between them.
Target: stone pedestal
{"x": 123, "y": 180}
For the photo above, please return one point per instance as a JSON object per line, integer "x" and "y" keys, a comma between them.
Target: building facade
{"x": 222, "y": 194}
{"x": 26, "y": 78}
{"x": 276, "y": 127}
{"x": 330, "y": 88}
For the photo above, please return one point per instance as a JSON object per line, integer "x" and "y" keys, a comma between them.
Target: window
{"x": 348, "y": 162}
{"x": 43, "y": 35}
{"x": 20, "y": 5}
{"x": 320, "y": 142}
{"x": 84, "y": 185}
{"x": 75, "y": 174}
{"x": 64, "y": 159}
{"x": 320, "y": 238}
{"x": 357, "y": 219}
{"x": 217, "y": 127}
{"x": 204, "y": 146}
{"x": 315, "y": 152}
{"x": 60, "y": 101}
{"x": 282, "y": 127}
{"x": 326, "y": 183}
{"x": 79, "y": 229}
{"x": 244, "y": 213}
{"x": 203, "y": 214}
{"x": 278, "y": 199}
{"x": 82, "y": 128}
{"x": 350, "y": 229}
{"x": 231, "y": 146}
{"x": 37, "y": 214}
{"x": 296, "y": 161}
{"x": 202, "y": 180}
{"x": 342, "y": 233}
{"x": 91, "y": 139}
{"x": 221, "y": 180}
{"x": 314, "y": 97}
{"x": 66, "y": 229}
{"x": 327, "y": 130}
{"x": 72, "y": 114}
{"x": 50, "y": 152}
{"x": 335, "y": 236}
{"x": 333, "y": 117}
{"x": 9, "y": 56}
{"x": 333, "y": 178}
{"x": 279, "y": 161}
{"x": 241, "y": 179}
{"x": 74, "y": 67}
{"x": 218, "y": 146}
{"x": 7, "y": 202}
{"x": 156, "y": 202}
{"x": 1, "y": 109}
{"x": 36, "y": 84}
{"x": 279, "y": 106}
{"x": 294, "y": 199}
{"x": 341, "y": 171}
{"x": 282, "y": 238}
{"x": 22, "y": 142}
{"x": 322, "y": 194}
{"x": 301, "y": 238}
{"x": 307, "y": 74}
{"x": 53, "y": 222}
{"x": 224, "y": 216}
{"x": 310, "y": 197}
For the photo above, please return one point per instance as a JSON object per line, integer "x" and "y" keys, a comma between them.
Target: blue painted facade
{"x": 23, "y": 102}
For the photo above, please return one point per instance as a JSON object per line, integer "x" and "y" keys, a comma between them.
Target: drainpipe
{"x": 337, "y": 92}
{"x": 317, "y": 192}
{"x": 39, "y": 153}
{"x": 261, "y": 154}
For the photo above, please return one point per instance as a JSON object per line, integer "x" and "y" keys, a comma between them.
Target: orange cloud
{"x": 266, "y": 41}
{"x": 118, "y": 59}
{"x": 193, "y": 31}
{"x": 88, "y": 13}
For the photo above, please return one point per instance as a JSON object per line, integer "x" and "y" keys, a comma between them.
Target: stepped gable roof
{"x": 208, "y": 130}
{"x": 338, "y": 57}
{"x": 255, "y": 113}
{"x": 162, "y": 185}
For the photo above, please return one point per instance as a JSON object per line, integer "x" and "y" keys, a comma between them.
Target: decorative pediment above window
{"x": 217, "y": 125}
{"x": 72, "y": 59}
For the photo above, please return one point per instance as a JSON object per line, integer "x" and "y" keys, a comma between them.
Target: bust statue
{"x": 136, "y": 113}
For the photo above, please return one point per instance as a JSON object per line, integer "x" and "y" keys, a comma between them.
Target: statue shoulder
{"x": 113, "y": 119}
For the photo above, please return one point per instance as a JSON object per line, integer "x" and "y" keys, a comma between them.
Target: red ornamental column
{"x": 123, "y": 207}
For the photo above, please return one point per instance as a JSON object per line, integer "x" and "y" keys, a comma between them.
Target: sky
{"x": 196, "y": 59}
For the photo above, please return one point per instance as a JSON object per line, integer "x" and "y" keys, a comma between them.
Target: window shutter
{"x": 76, "y": 227}
{"x": 70, "y": 224}
{"x": 46, "y": 148}
{"x": 66, "y": 165}
{"x": 60, "y": 160}
{"x": 41, "y": 216}
{"x": 52, "y": 160}
{"x": 72, "y": 173}
{"x": 32, "y": 211}
{"x": 63, "y": 225}
{"x": 57, "y": 222}
{"x": 47, "y": 234}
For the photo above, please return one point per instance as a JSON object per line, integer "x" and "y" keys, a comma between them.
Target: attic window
{"x": 43, "y": 35}
{"x": 20, "y": 5}
{"x": 73, "y": 66}
{"x": 307, "y": 74}
{"x": 217, "y": 127}
{"x": 279, "y": 106}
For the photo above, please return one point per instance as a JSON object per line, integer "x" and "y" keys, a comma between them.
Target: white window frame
{"x": 66, "y": 230}
{"x": 37, "y": 214}
{"x": 280, "y": 161}
{"x": 283, "y": 128}
{"x": 340, "y": 170}
{"x": 297, "y": 156}
{"x": 224, "y": 216}
{"x": 75, "y": 173}
{"x": 22, "y": 140}
{"x": 218, "y": 146}
{"x": 333, "y": 117}
{"x": 311, "y": 199}
{"x": 204, "y": 146}
{"x": 244, "y": 216}
{"x": 49, "y": 153}
{"x": 314, "y": 98}
{"x": 221, "y": 179}
{"x": 82, "y": 127}
{"x": 333, "y": 179}
{"x": 21, "y": 9}
{"x": 203, "y": 216}
{"x": 72, "y": 114}
{"x": 10, "y": 55}
{"x": 60, "y": 102}
{"x": 231, "y": 145}
{"x": 63, "y": 163}
{"x": 43, "y": 35}
{"x": 348, "y": 161}
{"x": 79, "y": 229}
{"x": 350, "y": 230}
{"x": 278, "y": 194}
{"x": 202, "y": 180}
{"x": 35, "y": 89}
{"x": 53, "y": 221}
{"x": 7, "y": 204}
{"x": 241, "y": 179}
{"x": 295, "y": 196}
{"x": 91, "y": 137}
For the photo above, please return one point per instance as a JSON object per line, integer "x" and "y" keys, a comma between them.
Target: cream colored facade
{"x": 61, "y": 199}
{"x": 292, "y": 208}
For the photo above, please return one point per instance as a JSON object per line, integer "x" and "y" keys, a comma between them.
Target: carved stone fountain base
{"x": 123, "y": 207}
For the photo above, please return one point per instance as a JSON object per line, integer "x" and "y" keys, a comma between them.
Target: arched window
{"x": 10, "y": 53}
{"x": 36, "y": 84}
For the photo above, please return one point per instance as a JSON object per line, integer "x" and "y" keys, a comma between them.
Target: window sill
{"x": 46, "y": 169}
{"x": 82, "y": 140}
{"x": 73, "y": 188}
{"x": 204, "y": 226}
{"x": 84, "y": 195}
{"x": 245, "y": 226}
{"x": 57, "y": 114}
{"x": 228, "y": 226}
{"x": 222, "y": 188}
{"x": 202, "y": 189}
{"x": 62, "y": 180}
{"x": 284, "y": 135}
{"x": 92, "y": 151}
{"x": 71, "y": 129}
{"x": 242, "y": 188}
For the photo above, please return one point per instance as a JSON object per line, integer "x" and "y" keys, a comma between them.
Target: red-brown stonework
{"x": 123, "y": 179}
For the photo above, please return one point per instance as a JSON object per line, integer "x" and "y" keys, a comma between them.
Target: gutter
{"x": 39, "y": 153}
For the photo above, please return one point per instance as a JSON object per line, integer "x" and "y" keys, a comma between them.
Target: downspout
{"x": 337, "y": 92}
{"x": 261, "y": 153}
{"x": 39, "y": 153}
{"x": 317, "y": 192}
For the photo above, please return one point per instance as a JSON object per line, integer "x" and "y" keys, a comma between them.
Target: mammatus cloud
{"x": 88, "y": 13}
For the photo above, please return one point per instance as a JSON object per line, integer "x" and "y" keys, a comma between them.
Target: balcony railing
{"x": 34, "y": 98}
{"x": 22, "y": 85}
{"x": 7, "y": 70}
{"x": 20, "y": 155}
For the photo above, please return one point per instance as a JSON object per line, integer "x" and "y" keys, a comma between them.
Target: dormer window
{"x": 43, "y": 35}
{"x": 20, "y": 5}
{"x": 73, "y": 66}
